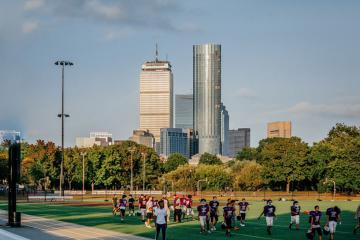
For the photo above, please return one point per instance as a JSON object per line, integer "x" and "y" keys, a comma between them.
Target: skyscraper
{"x": 184, "y": 111}
{"x": 224, "y": 130}
{"x": 173, "y": 140}
{"x": 9, "y": 135}
{"x": 207, "y": 96}
{"x": 156, "y": 97}
{"x": 279, "y": 129}
{"x": 238, "y": 139}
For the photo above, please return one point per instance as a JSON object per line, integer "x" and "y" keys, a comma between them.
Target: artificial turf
{"x": 101, "y": 217}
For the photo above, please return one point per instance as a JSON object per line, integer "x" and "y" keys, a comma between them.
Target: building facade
{"x": 96, "y": 138}
{"x": 238, "y": 139}
{"x": 279, "y": 129}
{"x": 224, "y": 130}
{"x": 143, "y": 137}
{"x": 173, "y": 140}
{"x": 9, "y": 135}
{"x": 207, "y": 96}
{"x": 156, "y": 97}
{"x": 184, "y": 111}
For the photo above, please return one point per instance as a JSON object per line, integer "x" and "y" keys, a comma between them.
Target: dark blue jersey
{"x": 269, "y": 211}
{"x": 243, "y": 206}
{"x": 228, "y": 212}
{"x": 333, "y": 214}
{"x": 203, "y": 210}
{"x": 315, "y": 217}
{"x": 214, "y": 204}
{"x": 295, "y": 210}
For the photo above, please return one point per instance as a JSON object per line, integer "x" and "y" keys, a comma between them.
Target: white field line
{"x": 11, "y": 236}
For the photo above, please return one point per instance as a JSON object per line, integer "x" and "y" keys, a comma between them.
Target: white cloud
{"x": 343, "y": 109}
{"x": 29, "y": 26}
{"x": 246, "y": 93}
{"x": 110, "y": 12}
{"x": 33, "y": 4}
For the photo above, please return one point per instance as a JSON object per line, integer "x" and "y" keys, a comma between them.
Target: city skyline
{"x": 280, "y": 61}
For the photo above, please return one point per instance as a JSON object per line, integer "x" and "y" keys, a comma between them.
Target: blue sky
{"x": 281, "y": 60}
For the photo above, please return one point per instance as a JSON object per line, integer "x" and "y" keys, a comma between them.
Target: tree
{"x": 247, "y": 153}
{"x": 173, "y": 161}
{"x": 3, "y": 164}
{"x": 209, "y": 159}
{"x": 284, "y": 160}
{"x": 247, "y": 175}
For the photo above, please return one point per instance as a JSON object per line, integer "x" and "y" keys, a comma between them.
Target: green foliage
{"x": 209, "y": 159}
{"x": 284, "y": 160}
{"x": 3, "y": 164}
{"x": 186, "y": 177}
{"x": 246, "y": 175}
{"x": 247, "y": 153}
{"x": 173, "y": 161}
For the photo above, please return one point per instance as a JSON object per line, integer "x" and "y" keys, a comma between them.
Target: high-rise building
{"x": 143, "y": 137}
{"x": 173, "y": 140}
{"x": 224, "y": 130}
{"x": 184, "y": 111}
{"x": 279, "y": 129}
{"x": 192, "y": 142}
{"x": 9, "y": 135}
{"x": 96, "y": 138}
{"x": 207, "y": 96}
{"x": 156, "y": 97}
{"x": 238, "y": 139}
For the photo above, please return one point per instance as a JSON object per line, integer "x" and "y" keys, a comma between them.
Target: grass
{"x": 101, "y": 217}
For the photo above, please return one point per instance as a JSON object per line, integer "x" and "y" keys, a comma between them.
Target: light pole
{"x": 144, "y": 172}
{"x": 62, "y": 115}
{"x": 198, "y": 184}
{"x": 131, "y": 150}
{"x": 83, "y": 172}
{"x": 334, "y": 184}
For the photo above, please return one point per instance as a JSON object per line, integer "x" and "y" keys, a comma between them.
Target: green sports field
{"x": 101, "y": 217}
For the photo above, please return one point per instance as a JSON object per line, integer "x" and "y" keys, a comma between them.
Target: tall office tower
{"x": 207, "y": 96}
{"x": 173, "y": 140}
{"x": 224, "y": 130}
{"x": 279, "y": 129}
{"x": 143, "y": 137}
{"x": 184, "y": 111}
{"x": 156, "y": 97}
{"x": 9, "y": 135}
{"x": 238, "y": 139}
{"x": 192, "y": 142}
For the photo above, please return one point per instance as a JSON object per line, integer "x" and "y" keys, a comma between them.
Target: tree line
{"x": 277, "y": 163}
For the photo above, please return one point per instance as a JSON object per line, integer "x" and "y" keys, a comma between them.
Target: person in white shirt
{"x": 149, "y": 211}
{"x": 161, "y": 220}
{"x": 167, "y": 207}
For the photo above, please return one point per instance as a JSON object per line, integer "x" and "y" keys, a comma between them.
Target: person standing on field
{"x": 295, "y": 215}
{"x": 161, "y": 220}
{"x": 269, "y": 213}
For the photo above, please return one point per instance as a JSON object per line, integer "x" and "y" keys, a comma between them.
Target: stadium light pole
{"x": 83, "y": 154}
{"x": 334, "y": 185}
{"x": 62, "y": 115}
{"x": 144, "y": 172}
{"x": 131, "y": 150}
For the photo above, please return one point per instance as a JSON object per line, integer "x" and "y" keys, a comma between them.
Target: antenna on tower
{"x": 166, "y": 57}
{"x": 156, "y": 53}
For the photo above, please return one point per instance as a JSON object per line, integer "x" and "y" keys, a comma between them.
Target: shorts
{"x": 131, "y": 207}
{"x": 213, "y": 216}
{"x": 143, "y": 211}
{"x": 269, "y": 221}
{"x": 295, "y": 219}
{"x": 242, "y": 216}
{"x": 318, "y": 230}
{"x": 149, "y": 215}
{"x": 189, "y": 211}
{"x": 332, "y": 226}
{"x": 228, "y": 222}
{"x": 202, "y": 220}
{"x": 122, "y": 211}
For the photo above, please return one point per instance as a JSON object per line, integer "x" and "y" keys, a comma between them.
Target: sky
{"x": 281, "y": 60}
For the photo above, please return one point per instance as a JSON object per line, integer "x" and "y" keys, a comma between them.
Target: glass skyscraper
{"x": 173, "y": 140}
{"x": 184, "y": 111}
{"x": 207, "y": 96}
{"x": 224, "y": 130}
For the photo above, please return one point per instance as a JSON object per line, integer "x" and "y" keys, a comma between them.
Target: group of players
{"x": 209, "y": 212}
